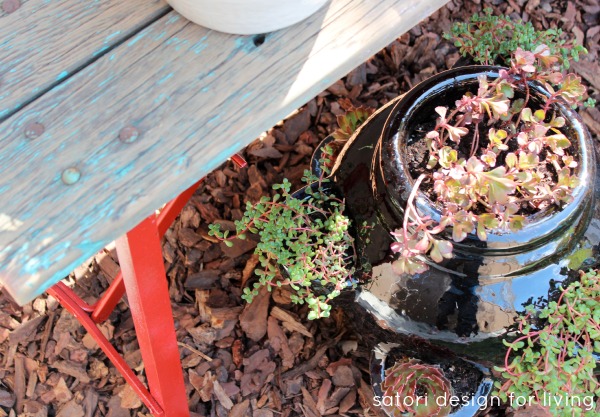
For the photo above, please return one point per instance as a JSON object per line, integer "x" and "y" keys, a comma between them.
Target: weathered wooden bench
{"x": 109, "y": 109}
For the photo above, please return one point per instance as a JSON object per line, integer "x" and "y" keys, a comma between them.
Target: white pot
{"x": 246, "y": 17}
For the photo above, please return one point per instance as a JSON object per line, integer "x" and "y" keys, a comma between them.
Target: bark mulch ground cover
{"x": 262, "y": 359}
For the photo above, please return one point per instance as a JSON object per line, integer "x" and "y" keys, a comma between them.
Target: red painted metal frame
{"x": 109, "y": 300}
{"x": 141, "y": 260}
{"x": 105, "y": 305}
{"x": 64, "y": 295}
{"x": 140, "y": 256}
{"x": 143, "y": 278}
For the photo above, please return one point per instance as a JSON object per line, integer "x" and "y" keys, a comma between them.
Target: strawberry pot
{"x": 475, "y": 294}
{"x": 468, "y": 303}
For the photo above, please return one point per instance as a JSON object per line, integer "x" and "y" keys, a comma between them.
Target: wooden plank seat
{"x": 110, "y": 109}
{"x": 83, "y": 163}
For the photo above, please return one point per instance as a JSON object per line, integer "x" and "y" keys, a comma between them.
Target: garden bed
{"x": 262, "y": 359}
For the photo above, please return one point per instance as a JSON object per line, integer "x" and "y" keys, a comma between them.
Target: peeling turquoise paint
{"x": 94, "y": 160}
{"x": 60, "y": 275}
{"x": 62, "y": 75}
{"x": 174, "y": 18}
{"x": 121, "y": 173}
{"x": 111, "y": 57}
{"x": 245, "y": 96}
{"x": 43, "y": 262}
{"x": 102, "y": 213}
{"x": 26, "y": 216}
{"x": 162, "y": 97}
{"x": 89, "y": 246}
{"x": 68, "y": 120}
{"x": 64, "y": 84}
{"x": 224, "y": 154}
{"x": 213, "y": 119}
{"x": 165, "y": 78}
{"x": 200, "y": 45}
{"x": 101, "y": 50}
{"x": 204, "y": 89}
{"x": 112, "y": 35}
{"x": 245, "y": 44}
{"x": 105, "y": 81}
{"x": 21, "y": 147}
{"x": 179, "y": 43}
{"x": 179, "y": 160}
{"x": 136, "y": 39}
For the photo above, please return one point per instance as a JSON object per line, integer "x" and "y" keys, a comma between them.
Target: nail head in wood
{"x": 71, "y": 175}
{"x": 34, "y": 130}
{"x": 9, "y": 6}
{"x": 128, "y": 134}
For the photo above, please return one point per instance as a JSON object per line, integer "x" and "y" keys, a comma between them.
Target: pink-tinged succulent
{"x": 522, "y": 162}
{"x": 415, "y": 389}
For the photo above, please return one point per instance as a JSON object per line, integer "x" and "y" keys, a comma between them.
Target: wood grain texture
{"x": 44, "y": 42}
{"x": 196, "y": 96}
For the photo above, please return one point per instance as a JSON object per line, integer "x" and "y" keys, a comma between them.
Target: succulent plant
{"x": 350, "y": 121}
{"x": 554, "y": 356}
{"x": 488, "y": 39}
{"x": 417, "y": 390}
{"x": 520, "y": 159}
{"x": 307, "y": 238}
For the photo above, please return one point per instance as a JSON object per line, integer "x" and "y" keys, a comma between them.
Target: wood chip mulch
{"x": 262, "y": 359}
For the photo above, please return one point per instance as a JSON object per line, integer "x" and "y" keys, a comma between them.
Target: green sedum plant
{"x": 553, "y": 362}
{"x": 489, "y": 39}
{"x": 307, "y": 240}
{"x": 516, "y": 156}
{"x": 416, "y": 389}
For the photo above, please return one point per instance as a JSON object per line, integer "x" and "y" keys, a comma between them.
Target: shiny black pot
{"x": 477, "y": 294}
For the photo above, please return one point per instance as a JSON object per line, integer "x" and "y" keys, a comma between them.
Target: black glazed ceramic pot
{"x": 546, "y": 235}
{"x": 476, "y": 295}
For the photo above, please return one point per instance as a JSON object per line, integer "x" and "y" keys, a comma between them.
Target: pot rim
{"x": 540, "y": 226}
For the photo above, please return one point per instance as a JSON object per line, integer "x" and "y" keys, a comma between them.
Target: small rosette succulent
{"x": 415, "y": 389}
{"x": 350, "y": 121}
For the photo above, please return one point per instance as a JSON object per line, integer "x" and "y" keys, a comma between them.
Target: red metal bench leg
{"x": 105, "y": 305}
{"x": 143, "y": 277}
{"x": 140, "y": 256}
{"x": 109, "y": 300}
{"x": 69, "y": 300}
